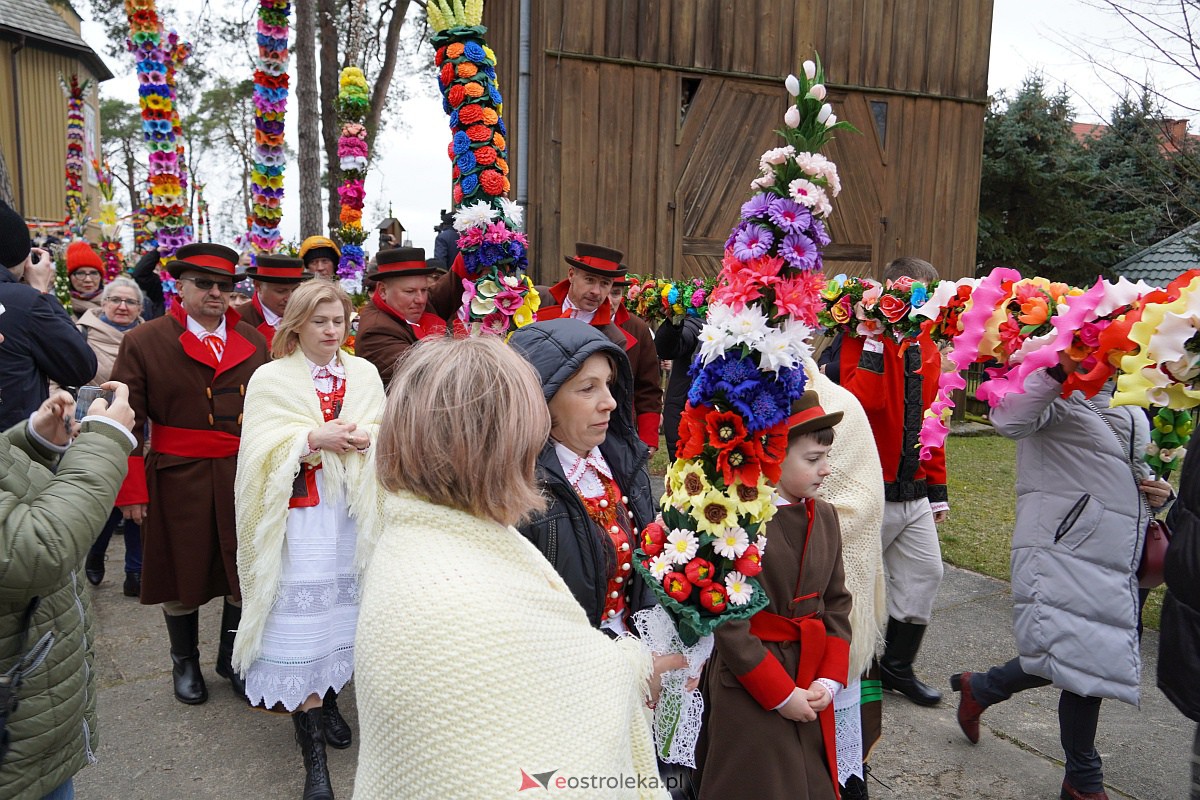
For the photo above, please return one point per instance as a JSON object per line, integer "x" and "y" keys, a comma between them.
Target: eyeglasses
{"x": 204, "y": 284}
{"x": 124, "y": 301}
{"x": 86, "y": 273}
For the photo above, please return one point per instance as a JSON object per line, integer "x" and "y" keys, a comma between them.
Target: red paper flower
{"x": 447, "y": 74}
{"x": 749, "y": 563}
{"x": 772, "y": 446}
{"x": 725, "y": 429}
{"x": 484, "y": 156}
{"x": 456, "y": 95}
{"x": 439, "y": 56}
{"x": 479, "y": 133}
{"x": 458, "y": 194}
{"x": 470, "y": 114}
{"x": 692, "y": 431}
{"x": 741, "y": 462}
{"x": 893, "y": 308}
{"x": 699, "y": 572}
{"x": 712, "y": 598}
{"x": 678, "y": 586}
{"x": 653, "y": 539}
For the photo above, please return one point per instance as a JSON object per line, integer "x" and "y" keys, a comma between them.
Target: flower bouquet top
{"x": 497, "y": 295}
{"x": 702, "y": 559}
{"x": 1169, "y": 433}
{"x": 659, "y": 299}
{"x": 866, "y": 308}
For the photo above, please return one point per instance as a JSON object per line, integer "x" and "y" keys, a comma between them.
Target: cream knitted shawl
{"x": 855, "y": 488}
{"x": 474, "y": 662}
{"x": 281, "y": 409}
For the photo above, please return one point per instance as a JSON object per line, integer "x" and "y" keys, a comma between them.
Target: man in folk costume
{"x": 584, "y": 295}
{"x": 187, "y": 374}
{"x": 275, "y": 278}
{"x": 396, "y": 317}
{"x": 320, "y": 256}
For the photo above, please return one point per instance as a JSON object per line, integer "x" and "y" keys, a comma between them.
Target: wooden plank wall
{"x": 43, "y": 120}
{"x": 610, "y": 163}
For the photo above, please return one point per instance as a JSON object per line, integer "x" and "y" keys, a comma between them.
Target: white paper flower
{"x": 748, "y": 326}
{"x": 762, "y": 182}
{"x": 476, "y": 215}
{"x": 824, "y": 113}
{"x": 942, "y": 292}
{"x": 1121, "y": 293}
{"x": 732, "y": 543}
{"x": 738, "y": 588}
{"x": 714, "y": 340}
{"x": 831, "y": 120}
{"x": 660, "y": 565}
{"x": 810, "y": 70}
{"x": 776, "y": 351}
{"x": 817, "y": 91}
{"x": 792, "y": 84}
{"x": 774, "y": 157}
{"x": 513, "y": 211}
{"x": 804, "y": 192}
{"x": 681, "y": 546}
{"x": 761, "y": 542}
{"x": 791, "y": 117}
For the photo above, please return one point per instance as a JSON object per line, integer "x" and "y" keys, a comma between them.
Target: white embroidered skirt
{"x": 308, "y": 641}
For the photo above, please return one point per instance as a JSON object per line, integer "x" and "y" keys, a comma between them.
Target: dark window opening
{"x": 879, "y": 113}
{"x": 687, "y": 93}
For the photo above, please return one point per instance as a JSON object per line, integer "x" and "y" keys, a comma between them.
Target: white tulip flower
{"x": 793, "y": 85}
{"x": 792, "y": 117}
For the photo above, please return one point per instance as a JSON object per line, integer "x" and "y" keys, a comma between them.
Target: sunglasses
{"x": 205, "y": 284}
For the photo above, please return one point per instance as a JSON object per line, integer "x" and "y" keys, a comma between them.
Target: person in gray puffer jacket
{"x": 592, "y": 469}
{"x": 1081, "y": 519}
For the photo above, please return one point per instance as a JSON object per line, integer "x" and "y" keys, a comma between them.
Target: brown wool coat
{"x": 189, "y": 537}
{"x": 383, "y": 338}
{"x": 742, "y": 738}
{"x": 252, "y": 315}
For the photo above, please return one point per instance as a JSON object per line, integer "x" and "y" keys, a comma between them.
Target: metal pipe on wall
{"x": 523, "y": 66}
{"x": 17, "y": 47}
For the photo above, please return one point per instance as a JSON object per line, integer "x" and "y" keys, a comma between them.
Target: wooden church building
{"x": 638, "y": 124}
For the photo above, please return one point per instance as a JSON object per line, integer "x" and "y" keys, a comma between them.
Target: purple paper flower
{"x": 819, "y": 233}
{"x": 757, "y": 206}
{"x": 799, "y": 251}
{"x": 790, "y": 215}
{"x": 752, "y": 242}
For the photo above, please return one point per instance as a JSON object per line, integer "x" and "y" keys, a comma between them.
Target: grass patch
{"x": 982, "y": 476}
{"x": 658, "y": 462}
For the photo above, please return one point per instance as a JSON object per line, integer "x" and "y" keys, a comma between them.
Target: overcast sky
{"x": 413, "y": 173}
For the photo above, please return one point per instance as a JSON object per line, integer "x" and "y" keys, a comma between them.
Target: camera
{"x": 85, "y": 397}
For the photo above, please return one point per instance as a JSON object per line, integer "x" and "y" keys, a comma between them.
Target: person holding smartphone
{"x": 41, "y": 342}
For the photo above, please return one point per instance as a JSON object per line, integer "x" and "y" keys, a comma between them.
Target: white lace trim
{"x": 678, "y": 715}
{"x": 847, "y": 722}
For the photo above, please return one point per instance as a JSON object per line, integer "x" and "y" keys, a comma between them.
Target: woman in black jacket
{"x": 592, "y": 470}
{"x": 1179, "y": 637}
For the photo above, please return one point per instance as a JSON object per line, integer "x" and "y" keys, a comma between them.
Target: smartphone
{"x": 84, "y": 398}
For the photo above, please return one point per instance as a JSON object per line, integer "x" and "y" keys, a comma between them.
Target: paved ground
{"x": 153, "y": 747}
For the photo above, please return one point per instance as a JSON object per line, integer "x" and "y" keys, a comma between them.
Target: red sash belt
{"x": 810, "y": 633}
{"x": 192, "y": 443}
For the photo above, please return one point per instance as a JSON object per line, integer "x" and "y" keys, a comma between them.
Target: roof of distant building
{"x": 1172, "y": 132}
{"x": 42, "y": 27}
{"x": 1165, "y": 260}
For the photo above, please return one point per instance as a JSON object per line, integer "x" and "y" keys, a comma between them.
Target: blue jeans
{"x": 63, "y": 792}
{"x": 133, "y": 541}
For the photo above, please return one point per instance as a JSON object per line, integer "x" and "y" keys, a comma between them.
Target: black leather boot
{"x": 855, "y": 789}
{"x": 231, "y": 618}
{"x": 133, "y": 584}
{"x": 93, "y": 567}
{"x": 310, "y": 737}
{"x": 184, "y": 632}
{"x": 896, "y": 666}
{"x": 337, "y": 730}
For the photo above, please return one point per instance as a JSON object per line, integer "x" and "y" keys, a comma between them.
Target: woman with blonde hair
{"x": 304, "y": 488}
{"x": 476, "y": 666}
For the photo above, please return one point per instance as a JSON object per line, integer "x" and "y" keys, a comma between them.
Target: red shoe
{"x": 1069, "y": 792}
{"x": 969, "y": 709}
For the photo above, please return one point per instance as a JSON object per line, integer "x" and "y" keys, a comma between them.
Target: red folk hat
{"x": 807, "y": 415}
{"x": 213, "y": 259}
{"x": 277, "y": 269}
{"x": 602, "y": 261}
{"x": 399, "y": 262}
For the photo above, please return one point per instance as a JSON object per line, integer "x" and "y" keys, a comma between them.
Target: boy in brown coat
{"x": 769, "y": 687}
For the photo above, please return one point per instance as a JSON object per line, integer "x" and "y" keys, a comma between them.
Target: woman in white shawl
{"x": 305, "y": 484}
{"x": 478, "y": 672}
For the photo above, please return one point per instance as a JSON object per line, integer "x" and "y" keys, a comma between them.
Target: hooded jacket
{"x": 564, "y": 533}
{"x": 1080, "y": 523}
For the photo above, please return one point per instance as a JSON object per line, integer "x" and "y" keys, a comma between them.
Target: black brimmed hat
{"x": 277, "y": 269}
{"x": 212, "y": 259}
{"x": 602, "y": 261}
{"x": 399, "y": 262}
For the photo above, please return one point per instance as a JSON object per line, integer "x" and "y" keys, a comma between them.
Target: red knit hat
{"x": 80, "y": 255}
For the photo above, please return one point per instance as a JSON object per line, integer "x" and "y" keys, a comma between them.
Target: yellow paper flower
{"x": 687, "y": 484}
{"x": 755, "y": 502}
{"x": 714, "y": 512}
{"x": 491, "y": 56}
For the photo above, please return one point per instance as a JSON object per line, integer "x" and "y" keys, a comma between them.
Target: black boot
{"x": 133, "y": 584}
{"x": 231, "y": 618}
{"x": 93, "y": 568}
{"x": 896, "y": 666}
{"x": 855, "y": 789}
{"x": 337, "y": 730}
{"x": 184, "y": 632}
{"x": 311, "y": 739}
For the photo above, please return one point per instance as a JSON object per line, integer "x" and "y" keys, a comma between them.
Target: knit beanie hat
{"x": 14, "y": 238}
{"x": 80, "y": 255}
